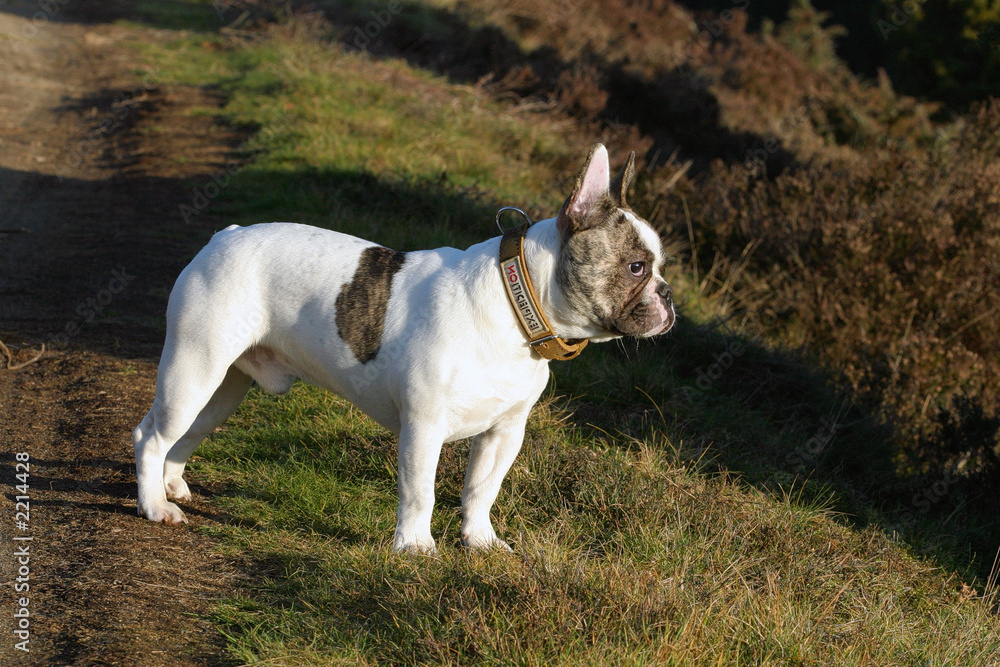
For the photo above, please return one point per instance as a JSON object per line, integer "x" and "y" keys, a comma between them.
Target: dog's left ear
{"x": 622, "y": 181}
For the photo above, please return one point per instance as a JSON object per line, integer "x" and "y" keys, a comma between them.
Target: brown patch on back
{"x": 362, "y": 303}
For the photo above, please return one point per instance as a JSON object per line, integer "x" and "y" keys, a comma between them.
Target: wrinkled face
{"x": 610, "y": 259}
{"x": 610, "y": 272}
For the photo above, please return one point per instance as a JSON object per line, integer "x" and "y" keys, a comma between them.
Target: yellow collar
{"x": 524, "y": 300}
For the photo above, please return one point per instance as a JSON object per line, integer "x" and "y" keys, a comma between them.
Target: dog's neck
{"x": 542, "y": 245}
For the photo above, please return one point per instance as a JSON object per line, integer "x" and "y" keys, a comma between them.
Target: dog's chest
{"x": 450, "y": 354}
{"x": 495, "y": 392}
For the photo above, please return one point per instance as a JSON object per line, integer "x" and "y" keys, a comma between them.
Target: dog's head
{"x": 610, "y": 259}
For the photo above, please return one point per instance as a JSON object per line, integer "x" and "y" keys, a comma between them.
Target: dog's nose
{"x": 663, "y": 289}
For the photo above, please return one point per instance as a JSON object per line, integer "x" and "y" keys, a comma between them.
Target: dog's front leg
{"x": 492, "y": 454}
{"x": 419, "y": 450}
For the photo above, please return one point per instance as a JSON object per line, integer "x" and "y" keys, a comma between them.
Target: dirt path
{"x": 90, "y": 241}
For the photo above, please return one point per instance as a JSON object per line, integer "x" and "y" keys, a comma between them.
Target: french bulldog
{"x": 427, "y": 343}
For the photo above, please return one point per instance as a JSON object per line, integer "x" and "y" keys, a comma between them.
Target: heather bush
{"x": 698, "y": 86}
{"x": 887, "y": 269}
{"x": 947, "y": 50}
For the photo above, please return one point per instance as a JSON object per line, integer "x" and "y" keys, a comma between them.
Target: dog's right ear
{"x": 592, "y": 185}
{"x": 619, "y": 186}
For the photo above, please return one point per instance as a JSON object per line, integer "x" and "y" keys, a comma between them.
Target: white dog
{"x": 434, "y": 345}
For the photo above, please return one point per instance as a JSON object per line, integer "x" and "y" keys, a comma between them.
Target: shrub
{"x": 886, "y": 269}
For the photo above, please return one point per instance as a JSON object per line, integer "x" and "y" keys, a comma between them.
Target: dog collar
{"x": 524, "y": 300}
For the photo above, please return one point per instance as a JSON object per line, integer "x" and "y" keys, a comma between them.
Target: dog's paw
{"x": 168, "y": 513}
{"x": 177, "y": 489}
{"x": 485, "y": 542}
{"x": 417, "y": 547}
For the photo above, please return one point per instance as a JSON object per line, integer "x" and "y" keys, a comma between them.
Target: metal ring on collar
{"x": 516, "y": 210}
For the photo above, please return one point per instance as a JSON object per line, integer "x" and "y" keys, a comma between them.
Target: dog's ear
{"x": 623, "y": 180}
{"x": 591, "y": 186}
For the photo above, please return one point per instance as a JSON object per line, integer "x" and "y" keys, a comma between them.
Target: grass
{"x": 625, "y": 554}
{"x": 635, "y": 541}
{"x": 373, "y": 148}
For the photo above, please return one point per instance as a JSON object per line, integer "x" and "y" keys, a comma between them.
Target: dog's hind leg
{"x": 223, "y": 403}
{"x": 189, "y": 378}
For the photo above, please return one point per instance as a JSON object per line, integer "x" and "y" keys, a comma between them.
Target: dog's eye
{"x": 637, "y": 269}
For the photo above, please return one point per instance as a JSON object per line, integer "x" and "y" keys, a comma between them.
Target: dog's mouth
{"x": 654, "y": 320}
{"x": 665, "y": 325}
{"x": 644, "y": 315}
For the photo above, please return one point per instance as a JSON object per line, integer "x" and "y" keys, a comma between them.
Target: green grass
{"x": 624, "y": 554}
{"x": 200, "y": 15}
{"x": 373, "y": 148}
{"x": 635, "y": 541}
